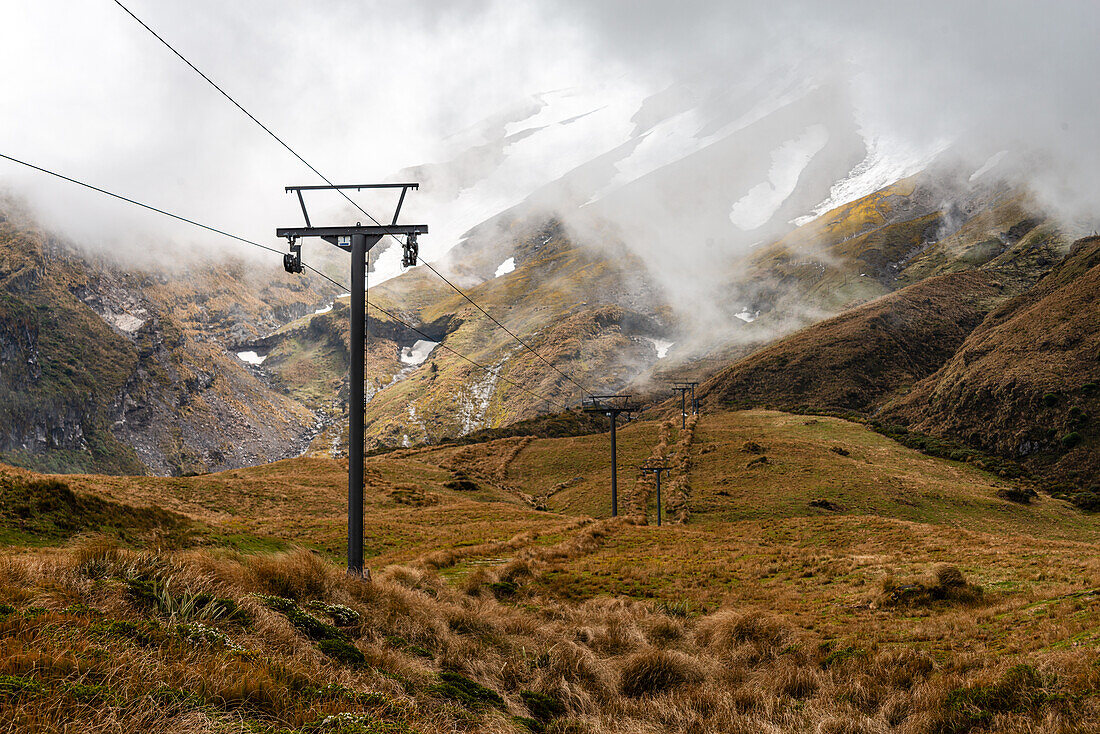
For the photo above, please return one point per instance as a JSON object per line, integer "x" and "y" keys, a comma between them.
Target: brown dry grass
{"x": 759, "y": 614}
{"x": 613, "y": 665}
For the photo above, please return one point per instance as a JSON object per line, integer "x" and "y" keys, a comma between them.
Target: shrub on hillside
{"x": 1071, "y": 440}
{"x": 342, "y": 651}
{"x": 946, "y": 584}
{"x": 1021, "y": 495}
{"x": 543, "y": 708}
{"x": 1087, "y": 500}
{"x": 467, "y": 692}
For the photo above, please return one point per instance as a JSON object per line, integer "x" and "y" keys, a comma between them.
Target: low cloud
{"x": 366, "y": 91}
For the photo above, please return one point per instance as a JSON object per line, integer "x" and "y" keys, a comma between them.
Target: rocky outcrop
{"x": 112, "y": 370}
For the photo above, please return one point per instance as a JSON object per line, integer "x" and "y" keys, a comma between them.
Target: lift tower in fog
{"x": 357, "y": 241}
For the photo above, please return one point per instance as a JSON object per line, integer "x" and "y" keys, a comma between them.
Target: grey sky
{"x": 363, "y": 89}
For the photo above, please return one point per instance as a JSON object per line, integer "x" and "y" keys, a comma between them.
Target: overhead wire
{"x": 141, "y": 204}
{"x": 351, "y": 201}
{"x": 460, "y": 355}
{"x": 244, "y": 240}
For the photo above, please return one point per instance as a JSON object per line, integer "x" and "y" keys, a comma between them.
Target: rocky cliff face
{"x": 111, "y": 370}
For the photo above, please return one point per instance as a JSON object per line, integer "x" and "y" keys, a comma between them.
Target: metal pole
{"x": 683, "y": 410}
{"x": 694, "y": 405}
{"x": 658, "y": 499}
{"x": 357, "y": 346}
{"x": 614, "y": 468}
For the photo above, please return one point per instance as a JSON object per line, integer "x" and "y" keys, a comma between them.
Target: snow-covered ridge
{"x": 888, "y": 161}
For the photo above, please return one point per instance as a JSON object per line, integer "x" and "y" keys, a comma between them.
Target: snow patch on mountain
{"x": 506, "y": 267}
{"x": 989, "y": 165}
{"x": 747, "y": 316}
{"x": 418, "y": 352}
{"x": 888, "y": 160}
{"x": 251, "y": 358}
{"x": 660, "y": 345}
{"x": 757, "y": 207}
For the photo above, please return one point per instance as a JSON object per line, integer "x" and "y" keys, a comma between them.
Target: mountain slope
{"x": 593, "y": 317}
{"x": 1024, "y": 383}
{"x": 854, "y": 360}
{"x": 112, "y": 369}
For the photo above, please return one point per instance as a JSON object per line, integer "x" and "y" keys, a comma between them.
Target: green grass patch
{"x": 342, "y": 651}
{"x": 48, "y": 510}
{"x": 470, "y": 694}
{"x": 16, "y": 686}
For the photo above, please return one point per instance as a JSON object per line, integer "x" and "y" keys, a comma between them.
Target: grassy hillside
{"x": 1024, "y": 383}
{"x": 820, "y": 578}
{"x": 855, "y": 360}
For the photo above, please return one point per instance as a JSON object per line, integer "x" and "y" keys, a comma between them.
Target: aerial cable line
{"x": 398, "y": 319}
{"x": 395, "y": 317}
{"x": 142, "y": 205}
{"x": 351, "y": 201}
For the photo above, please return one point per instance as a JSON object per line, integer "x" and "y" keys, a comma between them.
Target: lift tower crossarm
{"x": 612, "y": 406}
{"x": 357, "y": 240}
{"x": 383, "y": 231}
{"x": 358, "y": 187}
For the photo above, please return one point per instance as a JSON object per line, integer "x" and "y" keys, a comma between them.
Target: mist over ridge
{"x": 507, "y": 98}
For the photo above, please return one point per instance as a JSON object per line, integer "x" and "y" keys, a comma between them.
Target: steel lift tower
{"x": 612, "y": 406}
{"x": 656, "y": 470}
{"x": 357, "y": 241}
{"x": 684, "y": 388}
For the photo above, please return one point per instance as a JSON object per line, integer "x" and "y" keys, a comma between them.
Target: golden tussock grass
{"x": 77, "y": 634}
{"x": 759, "y": 614}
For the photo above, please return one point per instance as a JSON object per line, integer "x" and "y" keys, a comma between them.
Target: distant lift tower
{"x": 656, "y": 470}
{"x": 684, "y": 388}
{"x": 358, "y": 241}
{"x": 612, "y": 406}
